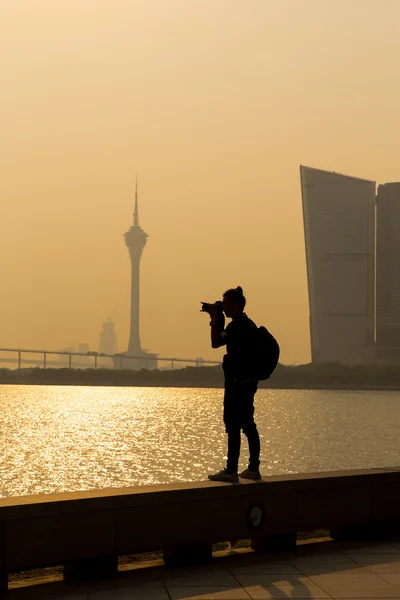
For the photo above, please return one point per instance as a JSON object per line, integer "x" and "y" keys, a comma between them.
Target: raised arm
{"x": 218, "y": 334}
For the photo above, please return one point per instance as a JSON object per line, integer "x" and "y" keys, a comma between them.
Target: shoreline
{"x": 303, "y": 377}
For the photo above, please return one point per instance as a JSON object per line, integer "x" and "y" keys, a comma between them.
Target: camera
{"x": 205, "y": 307}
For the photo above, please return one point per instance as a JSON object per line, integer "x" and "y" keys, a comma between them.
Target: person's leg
{"x": 249, "y": 426}
{"x": 254, "y": 447}
{"x": 232, "y": 427}
{"x": 233, "y": 448}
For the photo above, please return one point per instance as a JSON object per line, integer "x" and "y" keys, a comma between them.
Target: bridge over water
{"x": 45, "y": 358}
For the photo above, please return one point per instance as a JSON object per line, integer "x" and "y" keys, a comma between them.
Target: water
{"x": 57, "y": 439}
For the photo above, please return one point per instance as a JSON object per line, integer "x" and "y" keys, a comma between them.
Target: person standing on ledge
{"x": 240, "y": 338}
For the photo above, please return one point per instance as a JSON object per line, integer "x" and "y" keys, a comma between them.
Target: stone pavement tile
{"x": 274, "y": 580}
{"x": 385, "y": 568}
{"x": 205, "y": 578}
{"x": 334, "y": 558}
{"x": 327, "y": 569}
{"x": 46, "y": 592}
{"x": 266, "y": 569}
{"x": 356, "y": 586}
{"x": 394, "y": 579}
{"x": 216, "y": 567}
{"x": 378, "y": 563}
{"x": 166, "y": 574}
{"x": 370, "y": 559}
{"x": 261, "y": 592}
{"x": 208, "y": 593}
{"x": 265, "y": 580}
{"x": 372, "y": 549}
{"x": 133, "y": 593}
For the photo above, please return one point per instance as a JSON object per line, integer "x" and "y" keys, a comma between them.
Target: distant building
{"x": 135, "y": 240}
{"x": 82, "y": 347}
{"x": 339, "y": 230}
{"x": 82, "y": 362}
{"x": 62, "y": 359}
{"x": 388, "y": 273}
{"x": 108, "y": 338}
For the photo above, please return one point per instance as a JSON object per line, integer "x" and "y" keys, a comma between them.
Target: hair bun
{"x": 239, "y": 289}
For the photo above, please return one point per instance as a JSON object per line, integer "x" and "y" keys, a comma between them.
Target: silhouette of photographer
{"x": 241, "y": 383}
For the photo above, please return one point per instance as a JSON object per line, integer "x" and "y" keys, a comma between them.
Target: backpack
{"x": 267, "y": 353}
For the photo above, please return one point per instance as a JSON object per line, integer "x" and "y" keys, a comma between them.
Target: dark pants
{"x": 239, "y": 415}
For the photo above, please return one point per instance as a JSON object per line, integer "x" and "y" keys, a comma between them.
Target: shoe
{"x": 224, "y": 475}
{"x": 248, "y": 474}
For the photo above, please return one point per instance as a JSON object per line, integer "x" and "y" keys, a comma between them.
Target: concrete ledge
{"x": 81, "y": 527}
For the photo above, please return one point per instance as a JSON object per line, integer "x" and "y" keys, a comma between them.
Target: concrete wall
{"x": 65, "y": 529}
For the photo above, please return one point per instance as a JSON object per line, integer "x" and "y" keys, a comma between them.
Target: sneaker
{"x": 248, "y": 474}
{"x": 224, "y": 475}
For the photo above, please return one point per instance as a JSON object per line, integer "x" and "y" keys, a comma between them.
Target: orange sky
{"x": 214, "y": 104}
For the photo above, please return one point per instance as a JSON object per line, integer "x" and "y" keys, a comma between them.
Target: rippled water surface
{"x": 74, "y": 438}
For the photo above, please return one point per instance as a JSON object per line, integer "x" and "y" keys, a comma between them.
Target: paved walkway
{"x": 320, "y": 570}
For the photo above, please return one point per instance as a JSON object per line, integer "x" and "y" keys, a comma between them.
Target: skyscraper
{"x": 136, "y": 239}
{"x": 339, "y": 226}
{"x": 108, "y": 338}
{"x": 388, "y": 271}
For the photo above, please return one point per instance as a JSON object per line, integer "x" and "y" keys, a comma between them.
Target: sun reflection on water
{"x": 68, "y": 438}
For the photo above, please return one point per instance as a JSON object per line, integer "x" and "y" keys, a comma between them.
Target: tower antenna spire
{"x": 136, "y": 213}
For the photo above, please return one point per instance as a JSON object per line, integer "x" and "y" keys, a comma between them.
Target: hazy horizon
{"x": 214, "y": 105}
